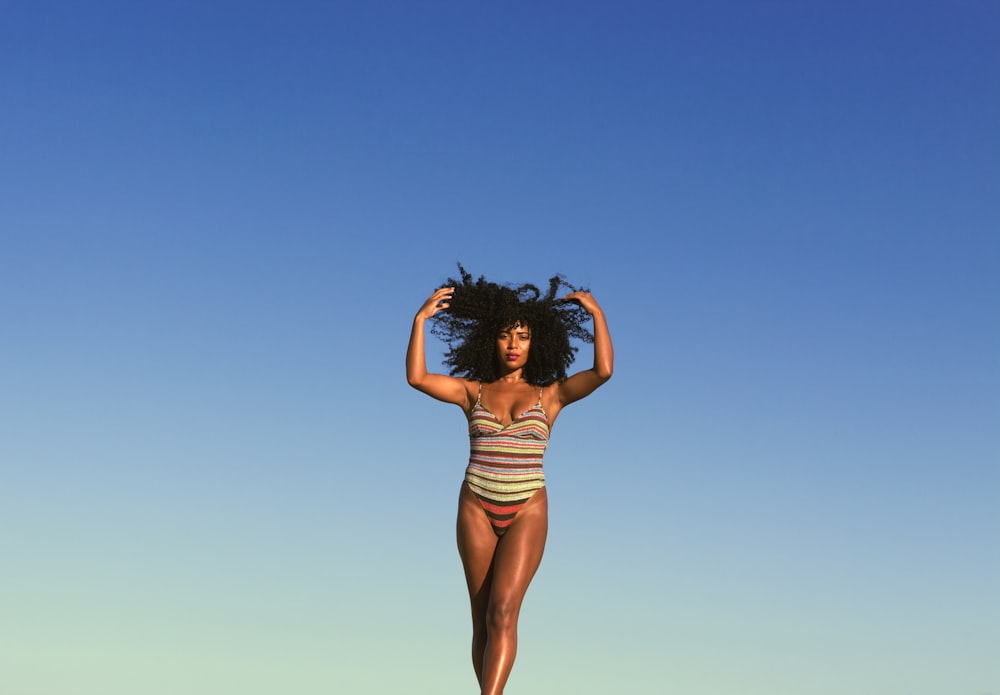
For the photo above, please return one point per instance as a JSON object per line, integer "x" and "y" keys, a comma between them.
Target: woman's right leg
{"x": 476, "y": 546}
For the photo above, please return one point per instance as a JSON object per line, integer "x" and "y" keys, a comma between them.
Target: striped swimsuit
{"x": 505, "y": 463}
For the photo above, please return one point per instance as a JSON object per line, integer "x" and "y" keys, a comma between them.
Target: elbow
{"x": 415, "y": 371}
{"x": 604, "y": 371}
{"x": 416, "y": 378}
{"x": 604, "y": 375}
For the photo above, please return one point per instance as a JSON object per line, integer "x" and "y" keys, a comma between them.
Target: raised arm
{"x": 440, "y": 386}
{"x": 584, "y": 383}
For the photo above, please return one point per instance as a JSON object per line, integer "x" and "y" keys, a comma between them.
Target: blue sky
{"x": 218, "y": 219}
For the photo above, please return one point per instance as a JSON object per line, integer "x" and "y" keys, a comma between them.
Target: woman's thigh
{"x": 477, "y": 544}
{"x": 519, "y": 552}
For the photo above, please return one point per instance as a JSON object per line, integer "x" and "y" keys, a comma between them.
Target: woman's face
{"x": 512, "y": 346}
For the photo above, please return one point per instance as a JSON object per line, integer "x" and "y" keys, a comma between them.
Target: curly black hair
{"x": 480, "y": 310}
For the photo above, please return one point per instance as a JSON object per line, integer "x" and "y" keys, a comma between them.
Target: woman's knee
{"x": 502, "y": 614}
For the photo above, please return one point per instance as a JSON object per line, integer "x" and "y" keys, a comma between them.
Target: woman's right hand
{"x": 436, "y": 302}
{"x": 445, "y": 388}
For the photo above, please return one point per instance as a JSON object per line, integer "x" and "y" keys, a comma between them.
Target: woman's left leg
{"x": 517, "y": 557}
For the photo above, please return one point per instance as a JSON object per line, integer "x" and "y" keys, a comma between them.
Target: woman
{"x": 509, "y": 349}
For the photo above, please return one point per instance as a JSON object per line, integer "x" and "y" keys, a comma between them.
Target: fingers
{"x": 581, "y": 297}
{"x": 442, "y": 296}
{"x": 584, "y": 299}
{"x": 437, "y": 301}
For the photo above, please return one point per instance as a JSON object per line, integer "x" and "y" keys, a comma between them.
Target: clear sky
{"x": 217, "y": 220}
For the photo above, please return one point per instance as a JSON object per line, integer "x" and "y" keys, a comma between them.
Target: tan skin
{"x": 499, "y": 569}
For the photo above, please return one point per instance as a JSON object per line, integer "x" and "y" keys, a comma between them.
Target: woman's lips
{"x": 511, "y": 356}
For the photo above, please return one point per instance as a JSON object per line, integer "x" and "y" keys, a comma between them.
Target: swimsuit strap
{"x": 480, "y": 394}
{"x": 539, "y": 403}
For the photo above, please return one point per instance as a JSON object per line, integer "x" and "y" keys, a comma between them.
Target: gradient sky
{"x": 217, "y": 220}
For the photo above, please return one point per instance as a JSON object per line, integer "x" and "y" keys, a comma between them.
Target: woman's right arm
{"x": 440, "y": 386}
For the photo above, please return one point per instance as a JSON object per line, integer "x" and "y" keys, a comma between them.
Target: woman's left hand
{"x": 586, "y": 300}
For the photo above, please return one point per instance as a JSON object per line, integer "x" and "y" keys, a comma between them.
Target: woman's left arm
{"x": 584, "y": 383}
